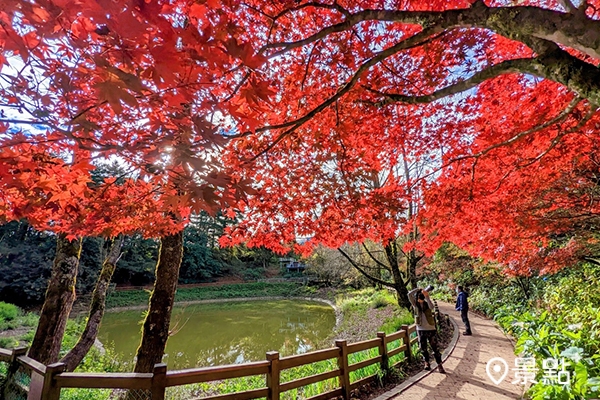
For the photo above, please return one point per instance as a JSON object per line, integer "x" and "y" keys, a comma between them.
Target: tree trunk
{"x": 400, "y": 286}
{"x": 59, "y": 300}
{"x": 156, "y": 326}
{"x": 97, "y": 306}
{"x": 399, "y": 282}
{"x": 412, "y": 260}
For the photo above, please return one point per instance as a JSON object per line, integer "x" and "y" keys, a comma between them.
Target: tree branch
{"x": 359, "y": 269}
{"x": 373, "y": 258}
{"x": 413, "y": 41}
{"x": 559, "y": 137}
{"x": 504, "y": 67}
{"x": 559, "y": 66}
{"x": 518, "y": 23}
{"x": 553, "y": 63}
{"x": 561, "y": 116}
{"x": 592, "y": 260}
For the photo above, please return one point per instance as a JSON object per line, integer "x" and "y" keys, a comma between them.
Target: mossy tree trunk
{"x": 156, "y": 326}
{"x": 74, "y": 357}
{"x": 59, "y": 300}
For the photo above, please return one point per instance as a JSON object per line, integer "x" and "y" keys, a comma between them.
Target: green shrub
{"x": 8, "y": 342}
{"x": 400, "y": 317}
{"x": 28, "y": 337}
{"x": 8, "y": 312}
{"x": 381, "y": 300}
{"x": 564, "y": 324}
{"x": 252, "y": 274}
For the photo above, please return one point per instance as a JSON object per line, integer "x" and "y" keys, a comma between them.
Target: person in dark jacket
{"x": 462, "y": 305}
{"x": 426, "y": 329}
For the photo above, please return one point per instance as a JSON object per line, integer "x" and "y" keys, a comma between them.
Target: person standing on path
{"x": 462, "y": 305}
{"x": 426, "y": 330}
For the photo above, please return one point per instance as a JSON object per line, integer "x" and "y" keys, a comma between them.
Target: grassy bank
{"x": 128, "y": 298}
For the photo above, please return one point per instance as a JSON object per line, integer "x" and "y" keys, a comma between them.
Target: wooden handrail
{"x": 247, "y": 395}
{"x": 364, "y": 363}
{"x": 199, "y": 375}
{"x": 364, "y": 345}
{"x": 109, "y": 380}
{"x": 394, "y": 336}
{"x": 397, "y": 350}
{"x": 308, "y": 358}
{"x": 327, "y": 395}
{"x": 32, "y": 364}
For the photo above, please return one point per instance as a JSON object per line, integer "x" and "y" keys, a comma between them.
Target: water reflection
{"x": 226, "y": 333}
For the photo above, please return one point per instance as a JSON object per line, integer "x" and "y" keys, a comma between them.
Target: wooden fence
{"x": 47, "y": 381}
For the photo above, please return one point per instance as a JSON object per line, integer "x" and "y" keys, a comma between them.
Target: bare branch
{"x": 504, "y": 67}
{"x": 518, "y": 23}
{"x": 362, "y": 271}
{"x": 375, "y": 259}
{"x": 592, "y": 260}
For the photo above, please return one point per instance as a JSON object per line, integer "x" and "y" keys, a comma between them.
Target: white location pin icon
{"x": 497, "y": 369}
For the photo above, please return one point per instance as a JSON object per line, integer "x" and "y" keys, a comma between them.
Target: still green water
{"x": 226, "y": 333}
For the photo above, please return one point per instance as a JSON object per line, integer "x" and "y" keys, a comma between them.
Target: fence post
{"x": 383, "y": 352}
{"x": 14, "y": 363}
{"x": 51, "y": 390}
{"x": 36, "y": 386}
{"x": 159, "y": 381}
{"x": 273, "y": 375}
{"x": 343, "y": 366}
{"x": 408, "y": 351}
{"x": 16, "y": 353}
{"x": 436, "y": 312}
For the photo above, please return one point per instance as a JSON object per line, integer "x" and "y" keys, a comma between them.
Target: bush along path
{"x": 466, "y": 376}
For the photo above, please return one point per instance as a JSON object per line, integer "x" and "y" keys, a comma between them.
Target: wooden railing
{"x": 47, "y": 381}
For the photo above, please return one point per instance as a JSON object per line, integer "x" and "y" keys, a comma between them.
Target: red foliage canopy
{"x": 348, "y": 117}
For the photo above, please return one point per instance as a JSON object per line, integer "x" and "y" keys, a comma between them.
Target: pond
{"x": 210, "y": 334}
